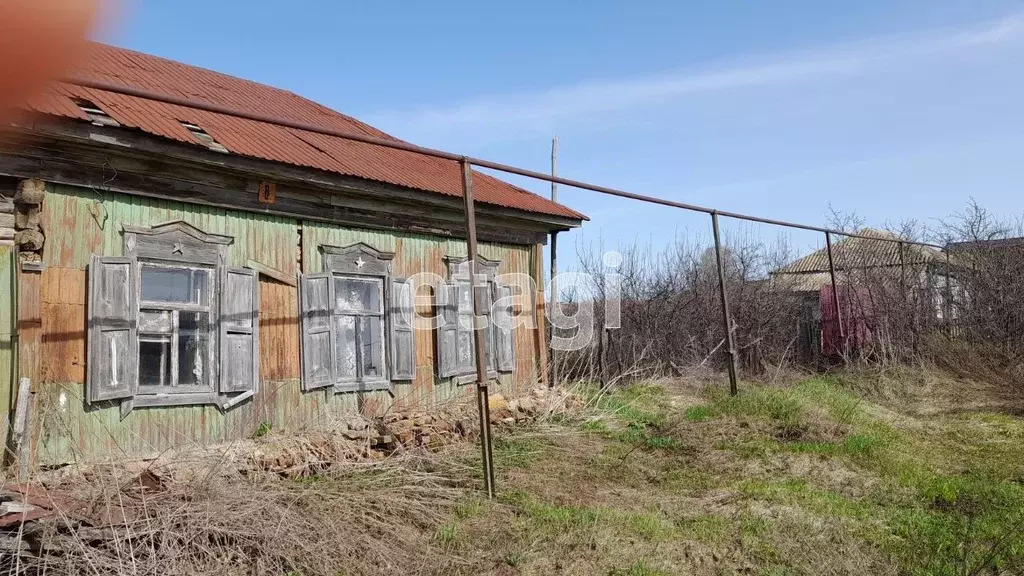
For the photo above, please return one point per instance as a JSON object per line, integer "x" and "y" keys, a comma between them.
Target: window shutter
{"x": 503, "y": 330}
{"x": 487, "y": 309}
{"x": 316, "y": 301}
{"x": 113, "y": 341}
{"x": 447, "y": 301}
{"x": 403, "y": 342}
{"x": 465, "y": 347}
{"x": 239, "y": 331}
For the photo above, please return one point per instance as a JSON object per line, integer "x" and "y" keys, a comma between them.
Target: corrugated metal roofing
{"x": 863, "y": 253}
{"x": 266, "y": 141}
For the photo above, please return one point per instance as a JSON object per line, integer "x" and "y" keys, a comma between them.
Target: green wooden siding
{"x": 8, "y": 373}
{"x": 79, "y": 222}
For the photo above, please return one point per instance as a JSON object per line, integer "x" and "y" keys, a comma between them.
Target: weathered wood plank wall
{"x": 79, "y": 222}
{"x": 8, "y": 380}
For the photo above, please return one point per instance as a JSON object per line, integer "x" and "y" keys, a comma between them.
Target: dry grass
{"x": 345, "y": 520}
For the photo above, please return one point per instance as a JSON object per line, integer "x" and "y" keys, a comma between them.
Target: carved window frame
{"x": 362, "y": 261}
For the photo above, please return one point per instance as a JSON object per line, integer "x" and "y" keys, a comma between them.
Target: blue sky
{"x": 896, "y": 108}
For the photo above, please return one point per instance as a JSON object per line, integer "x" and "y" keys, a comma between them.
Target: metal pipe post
{"x": 554, "y": 261}
{"x": 726, "y": 317}
{"x": 482, "y": 397}
{"x": 835, "y": 290}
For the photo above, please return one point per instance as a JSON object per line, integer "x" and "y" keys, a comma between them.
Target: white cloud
{"x": 543, "y": 109}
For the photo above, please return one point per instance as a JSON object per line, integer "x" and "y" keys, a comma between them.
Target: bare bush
{"x": 671, "y": 315}
{"x": 899, "y": 302}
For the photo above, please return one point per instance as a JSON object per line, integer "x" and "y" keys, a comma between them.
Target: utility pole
{"x": 554, "y": 261}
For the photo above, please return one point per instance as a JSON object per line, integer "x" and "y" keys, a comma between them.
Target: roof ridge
{"x": 106, "y": 46}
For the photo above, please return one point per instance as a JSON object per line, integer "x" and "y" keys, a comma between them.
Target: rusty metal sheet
{"x": 261, "y": 140}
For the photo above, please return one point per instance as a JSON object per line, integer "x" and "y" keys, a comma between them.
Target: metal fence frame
{"x": 466, "y": 164}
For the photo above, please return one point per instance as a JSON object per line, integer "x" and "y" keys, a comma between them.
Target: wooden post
{"x": 554, "y": 260}
{"x": 726, "y": 316}
{"x": 20, "y": 440}
{"x": 539, "y": 306}
{"x": 482, "y": 396}
{"x": 835, "y": 292}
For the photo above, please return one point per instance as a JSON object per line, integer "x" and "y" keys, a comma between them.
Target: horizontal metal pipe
{"x": 399, "y": 145}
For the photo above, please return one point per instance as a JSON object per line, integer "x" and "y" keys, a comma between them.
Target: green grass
{"x": 562, "y": 518}
{"x": 765, "y": 472}
{"x": 448, "y": 536}
{"x": 698, "y": 413}
{"x": 934, "y": 522}
{"x": 706, "y": 528}
{"x": 263, "y": 429}
{"x": 518, "y": 452}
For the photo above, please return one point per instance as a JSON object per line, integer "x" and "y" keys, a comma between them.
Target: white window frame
{"x": 175, "y": 308}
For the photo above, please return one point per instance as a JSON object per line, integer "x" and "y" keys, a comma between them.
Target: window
{"x": 199, "y": 134}
{"x": 357, "y": 329}
{"x": 96, "y": 114}
{"x": 170, "y": 324}
{"x": 456, "y": 344}
{"x": 359, "y": 313}
{"x": 175, "y": 318}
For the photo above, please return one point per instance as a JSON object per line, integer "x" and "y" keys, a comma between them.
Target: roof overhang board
{"x": 129, "y": 161}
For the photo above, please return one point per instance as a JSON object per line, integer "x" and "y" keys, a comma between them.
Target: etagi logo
{"x": 507, "y": 300}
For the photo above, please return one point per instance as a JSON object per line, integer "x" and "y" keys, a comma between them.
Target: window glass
{"x": 180, "y": 285}
{"x": 450, "y": 310}
{"x": 345, "y": 352}
{"x": 193, "y": 348}
{"x": 466, "y": 349}
{"x": 155, "y": 361}
{"x": 155, "y": 321}
{"x": 174, "y": 345}
{"x": 359, "y": 323}
{"x": 370, "y": 341}
{"x": 357, "y": 295}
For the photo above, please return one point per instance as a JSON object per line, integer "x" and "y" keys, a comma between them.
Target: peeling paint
{"x": 67, "y": 429}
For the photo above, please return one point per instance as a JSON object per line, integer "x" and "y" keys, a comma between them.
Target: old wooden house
{"x": 176, "y": 277}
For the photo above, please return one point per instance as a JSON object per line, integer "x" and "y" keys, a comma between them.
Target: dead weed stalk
{"x": 374, "y": 518}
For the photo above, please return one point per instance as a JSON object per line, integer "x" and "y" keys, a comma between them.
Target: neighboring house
{"x": 184, "y": 277}
{"x": 866, "y": 271}
{"x": 993, "y": 249}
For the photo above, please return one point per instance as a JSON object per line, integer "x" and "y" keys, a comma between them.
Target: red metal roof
{"x": 266, "y": 141}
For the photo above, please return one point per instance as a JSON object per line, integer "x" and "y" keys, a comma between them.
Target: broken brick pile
{"x": 361, "y": 438}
